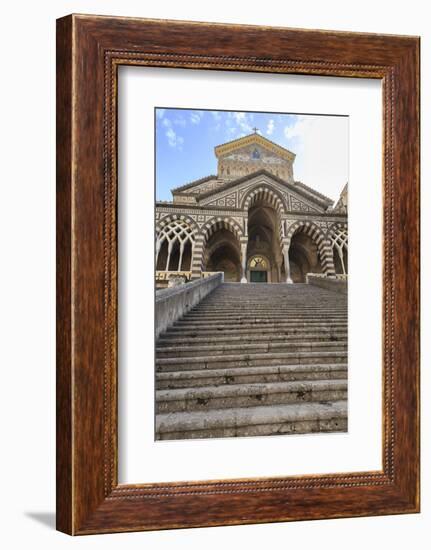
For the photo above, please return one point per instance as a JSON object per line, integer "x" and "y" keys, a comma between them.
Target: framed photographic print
{"x": 237, "y": 274}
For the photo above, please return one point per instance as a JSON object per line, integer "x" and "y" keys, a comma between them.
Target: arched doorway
{"x": 259, "y": 270}
{"x": 222, "y": 253}
{"x": 264, "y": 236}
{"x": 303, "y": 257}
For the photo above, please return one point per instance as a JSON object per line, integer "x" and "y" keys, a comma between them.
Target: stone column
{"x": 243, "y": 262}
{"x": 327, "y": 258}
{"x": 279, "y": 272}
{"x": 180, "y": 260}
{"x": 197, "y": 257}
{"x": 340, "y": 255}
{"x": 158, "y": 246}
{"x": 169, "y": 255}
{"x": 286, "y": 262}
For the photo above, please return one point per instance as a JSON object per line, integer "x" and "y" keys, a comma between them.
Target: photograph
{"x": 251, "y": 273}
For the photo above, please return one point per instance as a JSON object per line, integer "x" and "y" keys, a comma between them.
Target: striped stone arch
{"x": 271, "y": 197}
{"x": 324, "y": 245}
{"x": 217, "y": 223}
{"x": 205, "y": 233}
{"x": 172, "y": 218}
{"x": 264, "y": 192}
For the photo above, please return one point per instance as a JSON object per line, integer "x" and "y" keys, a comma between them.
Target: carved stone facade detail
{"x": 301, "y": 206}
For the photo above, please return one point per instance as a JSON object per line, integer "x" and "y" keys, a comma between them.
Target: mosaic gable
{"x": 234, "y": 197}
{"x": 251, "y": 158}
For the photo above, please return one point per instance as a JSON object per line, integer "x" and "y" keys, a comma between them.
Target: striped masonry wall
{"x": 197, "y": 257}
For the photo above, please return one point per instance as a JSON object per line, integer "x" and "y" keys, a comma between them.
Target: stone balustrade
{"x": 173, "y": 303}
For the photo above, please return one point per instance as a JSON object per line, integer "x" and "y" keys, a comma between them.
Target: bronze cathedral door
{"x": 258, "y": 277}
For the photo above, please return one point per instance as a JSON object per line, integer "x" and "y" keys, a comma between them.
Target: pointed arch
{"x": 264, "y": 192}
{"x": 175, "y": 240}
{"x": 270, "y": 196}
{"x": 307, "y": 227}
{"x": 217, "y": 223}
{"x": 170, "y": 218}
{"x": 209, "y": 236}
{"x": 323, "y": 244}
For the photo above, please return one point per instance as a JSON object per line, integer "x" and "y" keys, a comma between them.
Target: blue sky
{"x": 185, "y": 141}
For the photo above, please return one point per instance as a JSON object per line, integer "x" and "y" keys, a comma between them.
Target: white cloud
{"x": 321, "y": 145}
{"x": 238, "y": 122}
{"x": 174, "y": 139}
{"x": 230, "y": 133}
{"x": 270, "y": 127}
{"x": 166, "y": 122}
{"x": 196, "y": 116}
{"x": 243, "y": 122}
{"x": 160, "y": 113}
{"x": 216, "y": 115}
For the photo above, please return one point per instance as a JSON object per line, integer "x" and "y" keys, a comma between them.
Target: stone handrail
{"x": 338, "y": 284}
{"x": 173, "y": 303}
{"x": 165, "y": 275}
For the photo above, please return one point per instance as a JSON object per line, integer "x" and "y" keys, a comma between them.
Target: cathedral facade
{"x": 252, "y": 221}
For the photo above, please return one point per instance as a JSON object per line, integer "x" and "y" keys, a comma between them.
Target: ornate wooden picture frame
{"x": 89, "y": 51}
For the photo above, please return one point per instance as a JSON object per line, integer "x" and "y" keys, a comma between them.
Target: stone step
{"x": 262, "y": 328}
{"x": 269, "y": 287}
{"x": 251, "y": 359}
{"x": 276, "y": 309}
{"x": 305, "y": 299}
{"x": 188, "y": 322}
{"x": 218, "y": 297}
{"x": 267, "y": 328}
{"x": 250, "y": 375}
{"x": 289, "y": 304}
{"x": 246, "y": 302}
{"x": 249, "y": 395}
{"x": 266, "y": 314}
{"x": 254, "y": 421}
{"x": 213, "y": 349}
{"x": 258, "y": 318}
{"x": 179, "y": 340}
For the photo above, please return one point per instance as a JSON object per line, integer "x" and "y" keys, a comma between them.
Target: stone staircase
{"x": 254, "y": 359}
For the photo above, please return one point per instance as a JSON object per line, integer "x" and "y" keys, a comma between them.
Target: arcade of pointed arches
{"x": 265, "y": 251}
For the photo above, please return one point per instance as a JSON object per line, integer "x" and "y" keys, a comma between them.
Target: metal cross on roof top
{"x": 255, "y": 130}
